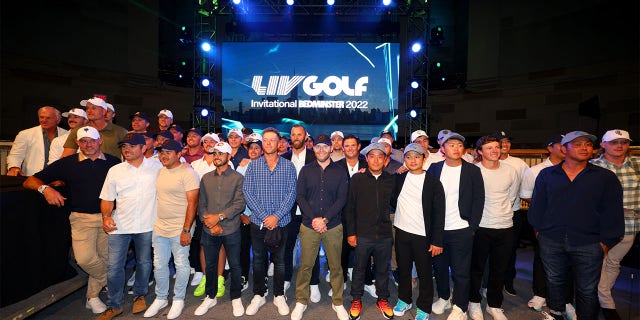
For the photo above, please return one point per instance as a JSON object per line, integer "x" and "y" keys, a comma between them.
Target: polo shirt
{"x": 111, "y": 135}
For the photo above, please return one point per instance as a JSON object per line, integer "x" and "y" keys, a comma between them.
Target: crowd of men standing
{"x": 195, "y": 203}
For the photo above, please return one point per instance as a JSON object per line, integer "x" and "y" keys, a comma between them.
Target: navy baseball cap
{"x": 132, "y": 138}
{"x": 170, "y": 145}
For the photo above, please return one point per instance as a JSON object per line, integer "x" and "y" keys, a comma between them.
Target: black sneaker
{"x": 508, "y": 289}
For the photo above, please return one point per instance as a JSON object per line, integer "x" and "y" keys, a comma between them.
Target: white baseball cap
{"x": 385, "y": 140}
{"x": 212, "y": 136}
{"x": 223, "y": 147}
{"x": 236, "y": 131}
{"x": 110, "y": 107}
{"x": 615, "y": 134}
{"x": 88, "y": 132}
{"x": 96, "y": 102}
{"x": 166, "y": 112}
{"x": 337, "y": 133}
{"x": 418, "y": 133}
{"x": 76, "y": 112}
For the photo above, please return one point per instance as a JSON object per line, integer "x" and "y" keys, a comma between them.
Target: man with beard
{"x": 193, "y": 150}
{"x": 76, "y": 118}
{"x": 336, "y": 146}
{"x": 165, "y": 120}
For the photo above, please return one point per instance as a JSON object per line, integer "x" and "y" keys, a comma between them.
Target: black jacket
{"x": 308, "y": 158}
{"x": 362, "y": 163}
{"x": 368, "y": 205}
{"x": 470, "y": 194}
{"x": 433, "y": 206}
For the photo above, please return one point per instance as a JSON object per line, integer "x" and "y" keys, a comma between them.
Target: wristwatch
{"x": 185, "y": 230}
{"x": 220, "y": 217}
{"x": 42, "y": 187}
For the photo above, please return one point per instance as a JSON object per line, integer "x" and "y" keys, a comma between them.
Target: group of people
{"x": 207, "y": 201}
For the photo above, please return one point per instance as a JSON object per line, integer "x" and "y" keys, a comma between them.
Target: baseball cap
{"x": 615, "y": 134}
{"x": 212, "y": 136}
{"x": 88, "y": 132}
{"x": 443, "y": 133}
{"x": 166, "y": 112}
{"x": 170, "y": 145}
{"x": 196, "y": 130}
{"x": 223, "y": 147}
{"x": 501, "y": 135}
{"x": 554, "y": 139}
{"x": 418, "y": 133}
{"x": 322, "y": 138}
{"x": 246, "y": 131}
{"x": 385, "y": 132}
{"x": 414, "y": 147}
{"x": 236, "y": 131}
{"x": 254, "y": 138}
{"x": 149, "y": 134}
{"x": 166, "y": 134}
{"x": 373, "y": 146}
{"x": 577, "y": 134}
{"x": 176, "y": 127}
{"x": 76, "y": 112}
{"x": 374, "y": 139}
{"x": 337, "y": 133}
{"x": 141, "y": 115}
{"x": 110, "y": 107}
{"x": 132, "y": 138}
{"x": 385, "y": 140}
{"x": 452, "y": 135}
{"x": 96, "y": 102}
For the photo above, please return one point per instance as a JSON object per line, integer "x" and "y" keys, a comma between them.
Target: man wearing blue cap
{"x": 577, "y": 213}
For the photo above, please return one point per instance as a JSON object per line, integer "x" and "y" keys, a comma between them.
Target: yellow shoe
{"x": 220, "y": 287}
{"x": 200, "y": 289}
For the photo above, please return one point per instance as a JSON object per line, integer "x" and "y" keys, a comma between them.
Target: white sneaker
{"x": 196, "y": 279}
{"x": 315, "y": 295}
{"x": 496, "y": 313}
{"x": 238, "y": 308}
{"x": 536, "y": 303}
{"x": 270, "y": 270}
{"x": 176, "y": 309}
{"x": 287, "y": 285}
{"x": 257, "y": 302}
{"x": 371, "y": 290}
{"x": 132, "y": 280}
{"x": 457, "y": 314}
{"x": 96, "y": 305}
{"x": 281, "y": 303}
{"x": 341, "y": 312}
{"x": 441, "y": 305}
{"x": 331, "y": 290}
{"x": 475, "y": 311}
{"x": 298, "y": 310}
{"x": 155, "y": 307}
{"x": 327, "y": 278}
{"x": 207, "y": 304}
{"x": 570, "y": 312}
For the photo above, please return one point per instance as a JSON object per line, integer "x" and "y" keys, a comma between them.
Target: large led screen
{"x": 352, "y": 87}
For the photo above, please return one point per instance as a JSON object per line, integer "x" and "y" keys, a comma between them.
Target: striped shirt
{"x": 629, "y": 176}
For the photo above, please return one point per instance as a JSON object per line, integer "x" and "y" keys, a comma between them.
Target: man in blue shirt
{"x": 576, "y": 211}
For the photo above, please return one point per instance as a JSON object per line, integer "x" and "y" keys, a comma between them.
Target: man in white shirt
{"x": 76, "y": 118}
{"x": 133, "y": 185}
{"x": 494, "y": 238}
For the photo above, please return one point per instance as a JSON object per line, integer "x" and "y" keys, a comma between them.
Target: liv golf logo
{"x": 330, "y": 86}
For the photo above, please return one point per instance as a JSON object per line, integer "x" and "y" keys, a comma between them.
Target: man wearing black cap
{"x": 576, "y": 210}
{"x": 139, "y": 122}
{"x": 193, "y": 150}
{"x": 177, "y": 132}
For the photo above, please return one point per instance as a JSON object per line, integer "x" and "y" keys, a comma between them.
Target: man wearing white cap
{"x": 439, "y": 155}
{"x": 615, "y": 157}
{"x": 391, "y": 165}
{"x": 30, "y": 150}
{"x": 420, "y": 137}
{"x": 84, "y": 175}
{"x": 76, "y": 118}
{"x": 238, "y": 152}
{"x": 111, "y": 113}
{"x": 336, "y": 146}
{"x": 577, "y": 213}
{"x": 165, "y": 120}
{"x": 111, "y": 134}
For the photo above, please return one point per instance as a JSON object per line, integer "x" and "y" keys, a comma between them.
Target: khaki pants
{"x": 90, "y": 247}
{"x": 309, "y": 246}
{"x": 611, "y": 269}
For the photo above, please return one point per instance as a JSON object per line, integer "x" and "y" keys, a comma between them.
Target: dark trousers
{"x": 412, "y": 248}
{"x": 381, "y": 251}
{"x": 456, "y": 254}
{"x": 211, "y": 245}
{"x": 495, "y": 245}
{"x": 539, "y": 282}
{"x": 519, "y": 220}
{"x": 561, "y": 260}
{"x": 194, "y": 248}
{"x": 294, "y": 230}
{"x": 245, "y": 250}
{"x": 347, "y": 252}
{"x": 260, "y": 257}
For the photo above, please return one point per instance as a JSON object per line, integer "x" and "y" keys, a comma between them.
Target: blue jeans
{"x": 559, "y": 259}
{"x": 260, "y": 257}
{"x": 211, "y": 245}
{"x": 458, "y": 248}
{"x": 118, "y": 247}
{"x": 163, "y": 247}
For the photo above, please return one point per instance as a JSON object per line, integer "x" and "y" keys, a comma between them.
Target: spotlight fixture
{"x": 205, "y": 82}
{"x": 205, "y": 46}
{"x": 416, "y": 47}
{"x": 236, "y": 1}
{"x": 331, "y": 2}
{"x": 204, "y": 112}
{"x": 413, "y": 113}
{"x": 290, "y": 2}
{"x": 415, "y": 84}
{"x": 386, "y": 2}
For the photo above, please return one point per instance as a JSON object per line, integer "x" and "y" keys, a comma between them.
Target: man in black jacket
{"x": 464, "y": 194}
{"x": 369, "y": 228}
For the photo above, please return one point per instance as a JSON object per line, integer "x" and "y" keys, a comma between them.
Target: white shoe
{"x": 96, "y": 305}
{"x": 536, "y": 303}
{"x": 192, "y": 270}
{"x": 570, "y": 312}
{"x": 496, "y": 313}
{"x": 371, "y": 290}
{"x": 298, "y": 310}
{"x": 238, "y": 308}
{"x": 155, "y": 307}
{"x": 315, "y": 295}
{"x": 207, "y": 304}
{"x": 457, "y": 314}
{"x": 257, "y": 302}
{"x": 270, "y": 270}
{"x": 331, "y": 290}
{"x": 132, "y": 280}
{"x": 196, "y": 279}
{"x": 176, "y": 309}
{"x": 441, "y": 305}
{"x": 281, "y": 303}
{"x": 341, "y": 312}
{"x": 475, "y": 311}
{"x": 287, "y": 285}
{"x": 327, "y": 278}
